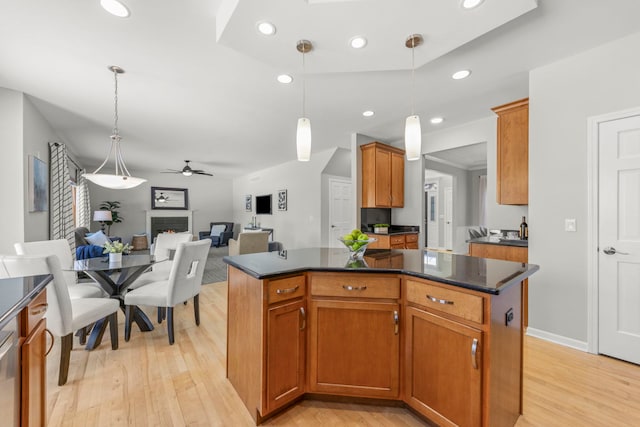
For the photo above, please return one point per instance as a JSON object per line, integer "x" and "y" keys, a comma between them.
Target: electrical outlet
{"x": 570, "y": 225}
{"x": 508, "y": 317}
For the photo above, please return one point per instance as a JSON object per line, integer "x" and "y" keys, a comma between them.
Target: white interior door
{"x": 619, "y": 238}
{"x": 340, "y": 205}
{"x": 448, "y": 218}
{"x": 432, "y": 219}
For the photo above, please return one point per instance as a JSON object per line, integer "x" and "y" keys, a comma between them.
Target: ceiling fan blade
{"x": 203, "y": 173}
{"x": 171, "y": 171}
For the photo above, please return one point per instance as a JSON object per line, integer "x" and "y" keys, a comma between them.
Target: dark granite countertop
{"x": 17, "y": 293}
{"x": 480, "y": 274}
{"x": 391, "y": 233}
{"x": 500, "y": 241}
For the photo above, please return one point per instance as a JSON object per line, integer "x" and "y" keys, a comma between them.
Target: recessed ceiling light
{"x": 266, "y": 28}
{"x": 285, "y": 78}
{"x": 436, "y": 120}
{"x": 470, "y": 4}
{"x": 358, "y": 42}
{"x": 368, "y": 113}
{"x": 462, "y": 74}
{"x": 115, "y": 7}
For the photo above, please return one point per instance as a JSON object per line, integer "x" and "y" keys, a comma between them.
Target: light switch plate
{"x": 570, "y": 224}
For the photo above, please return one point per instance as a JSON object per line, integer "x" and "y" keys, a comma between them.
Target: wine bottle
{"x": 524, "y": 230}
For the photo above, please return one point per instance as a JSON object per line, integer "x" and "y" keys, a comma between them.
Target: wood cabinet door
{"x": 443, "y": 369}
{"x": 285, "y": 353}
{"x": 512, "y": 172}
{"x": 34, "y": 370}
{"x": 383, "y": 178}
{"x": 354, "y": 348}
{"x": 397, "y": 180}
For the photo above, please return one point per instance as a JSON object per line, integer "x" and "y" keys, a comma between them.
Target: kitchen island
{"x": 437, "y": 332}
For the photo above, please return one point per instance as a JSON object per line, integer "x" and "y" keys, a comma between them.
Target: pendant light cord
{"x": 413, "y": 76}
{"x": 115, "y": 103}
{"x": 304, "y": 86}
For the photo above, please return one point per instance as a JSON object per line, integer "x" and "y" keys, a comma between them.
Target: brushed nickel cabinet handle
{"x": 287, "y": 291}
{"x": 396, "y": 321}
{"x": 39, "y": 309}
{"x": 474, "y": 353}
{"x": 440, "y": 301}
{"x": 354, "y": 288}
{"x": 303, "y": 314}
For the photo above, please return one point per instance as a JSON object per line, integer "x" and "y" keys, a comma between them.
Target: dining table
{"x": 115, "y": 279}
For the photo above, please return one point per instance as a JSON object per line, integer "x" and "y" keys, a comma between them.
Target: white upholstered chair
{"x": 249, "y": 243}
{"x": 184, "y": 281}
{"x": 64, "y": 315}
{"x": 162, "y": 247}
{"x": 62, "y": 250}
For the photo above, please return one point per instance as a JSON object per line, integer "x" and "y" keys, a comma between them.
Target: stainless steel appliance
{"x": 9, "y": 375}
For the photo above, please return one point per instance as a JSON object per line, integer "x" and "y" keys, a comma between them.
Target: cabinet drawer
{"x": 397, "y": 240}
{"x": 357, "y": 286}
{"x": 285, "y": 289}
{"x": 32, "y": 314}
{"x": 410, "y": 238}
{"x": 467, "y": 306}
{"x": 411, "y": 245}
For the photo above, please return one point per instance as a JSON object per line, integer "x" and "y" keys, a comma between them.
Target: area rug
{"x": 215, "y": 270}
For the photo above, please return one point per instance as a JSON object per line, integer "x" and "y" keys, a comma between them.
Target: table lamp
{"x": 102, "y": 216}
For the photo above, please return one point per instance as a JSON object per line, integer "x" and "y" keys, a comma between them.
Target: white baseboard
{"x": 558, "y": 339}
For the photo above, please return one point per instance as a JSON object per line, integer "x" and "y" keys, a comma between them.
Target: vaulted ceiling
{"x": 200, "y": 80}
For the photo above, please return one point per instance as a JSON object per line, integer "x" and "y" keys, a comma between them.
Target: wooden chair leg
{"x": 170, "y": 324}
{"x": 128, "y": 319}
{"x": 196, "y": 308}
{"x": 113, "y": 328}
{"x": 65, "y": 357}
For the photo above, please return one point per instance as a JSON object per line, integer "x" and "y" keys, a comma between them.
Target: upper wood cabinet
{"x": 512, "y": 168}
{"x": 382, "y": 176}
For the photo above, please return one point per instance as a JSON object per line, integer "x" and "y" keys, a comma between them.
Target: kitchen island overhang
{"x": 446, "y": 331}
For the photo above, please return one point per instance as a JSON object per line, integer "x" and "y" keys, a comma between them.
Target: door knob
{"x": 611, "y": 251}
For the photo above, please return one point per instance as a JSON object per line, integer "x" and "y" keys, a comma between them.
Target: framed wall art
{"x": 282, "y": 200}
{"x": 169, "y": 198}
{"x": 38, "y": 185}
{"x": 247, "y": 203}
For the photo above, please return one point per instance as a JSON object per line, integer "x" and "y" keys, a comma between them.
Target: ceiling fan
{"x": 187, "y": 171}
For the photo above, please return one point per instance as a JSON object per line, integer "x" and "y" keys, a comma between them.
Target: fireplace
{"x": 168, "y": 220}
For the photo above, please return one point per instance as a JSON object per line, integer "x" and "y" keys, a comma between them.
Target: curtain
{"x": 482, "y": 205}
{"x": 61, "y": 209}
{"x": 83, "y": 203}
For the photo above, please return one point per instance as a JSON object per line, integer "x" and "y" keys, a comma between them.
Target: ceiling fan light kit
{"x": 122, "y": 179}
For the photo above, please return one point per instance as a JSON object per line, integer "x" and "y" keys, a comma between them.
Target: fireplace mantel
{"x": 168, "y": 213}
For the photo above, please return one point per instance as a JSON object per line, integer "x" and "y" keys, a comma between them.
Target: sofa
{"x": 249, "y": 243}
{"x": 219, "y": 236}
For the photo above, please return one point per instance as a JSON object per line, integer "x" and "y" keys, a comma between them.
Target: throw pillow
{"x": 98, "y": 238}
{"x": 217, "y": 229}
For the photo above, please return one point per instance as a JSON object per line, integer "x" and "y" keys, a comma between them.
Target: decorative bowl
{"x": 357, "y": 247}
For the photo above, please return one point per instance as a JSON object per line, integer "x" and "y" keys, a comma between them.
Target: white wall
{"x": 36, "y": 137}
{"x": 12, "y": 175}
{"x": 300, "y": 226}
{"x": 563, "y": 96}
{"x": 209, "y": 198}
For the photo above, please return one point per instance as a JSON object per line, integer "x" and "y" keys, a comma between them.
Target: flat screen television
{"x": 263, "y": 204}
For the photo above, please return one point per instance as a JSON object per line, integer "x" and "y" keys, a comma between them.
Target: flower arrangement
{"x": 116, "y": 248}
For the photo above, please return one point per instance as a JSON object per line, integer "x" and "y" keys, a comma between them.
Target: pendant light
{"x": 122, "y": 179}
{"x": 412, "y": 131}
{"x": 303, "y": 133}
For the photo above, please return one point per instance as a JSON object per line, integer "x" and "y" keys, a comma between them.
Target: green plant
{"x": 115, "y": 215}
{"x": 116, "y": 247}
{"x": 380, "y": 225}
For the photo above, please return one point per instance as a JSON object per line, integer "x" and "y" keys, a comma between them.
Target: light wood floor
{"x": 147, "y": 382}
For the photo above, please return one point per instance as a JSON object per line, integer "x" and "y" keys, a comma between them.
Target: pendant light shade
{"x": 412, "y": 130}
{"x": 303, "y": 139}
{"x": 413, "y": 138}
{"x": 303, "y": 133}
{"x": 122, "y": 179}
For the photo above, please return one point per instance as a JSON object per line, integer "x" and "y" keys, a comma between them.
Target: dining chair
{"x": 184, "y": 281}
{"x": 163, "y": 245}
{"x": 65, "y": 315}
{"x": 62, "y": 250}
